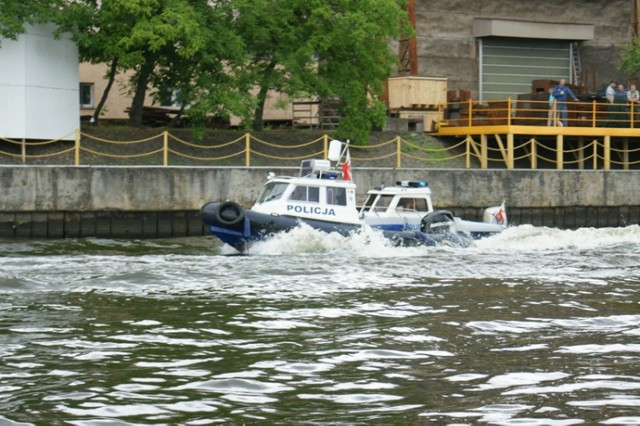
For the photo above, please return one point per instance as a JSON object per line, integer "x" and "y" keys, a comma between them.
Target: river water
{"x": 535, "y": 326}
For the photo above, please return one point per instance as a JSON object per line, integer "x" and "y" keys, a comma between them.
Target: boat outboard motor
{"x": 437, "y": 222}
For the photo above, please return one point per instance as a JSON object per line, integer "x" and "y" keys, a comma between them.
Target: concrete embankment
{"x": 148, "y": 202}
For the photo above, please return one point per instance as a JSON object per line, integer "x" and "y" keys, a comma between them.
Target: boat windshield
{"x": 376, "y": 203}
{"x": 272, "y": 191}
{"x": 383, "y": 202}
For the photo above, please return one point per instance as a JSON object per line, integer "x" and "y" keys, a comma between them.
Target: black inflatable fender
{"x": 229, "y": 213}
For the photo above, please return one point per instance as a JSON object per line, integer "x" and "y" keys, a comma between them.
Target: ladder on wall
{"x": 576, "y": 67}
{"x": 329, "y": 114}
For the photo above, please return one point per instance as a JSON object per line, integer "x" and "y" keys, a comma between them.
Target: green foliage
{"x": 324, "y": 49}
{"x": 14, "y": 14}
{"x": 223, "y": 58}
{"x": 181, "y": 47}
{"x": 630, "y": 57}
{"x": 354, "y": 59}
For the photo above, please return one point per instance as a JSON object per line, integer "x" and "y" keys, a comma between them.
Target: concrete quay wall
{"x": 67, "y": 201}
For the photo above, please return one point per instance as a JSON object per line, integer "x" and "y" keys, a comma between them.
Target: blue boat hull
{"x": 239, "y": 227}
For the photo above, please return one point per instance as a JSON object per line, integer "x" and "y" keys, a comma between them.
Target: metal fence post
{"x": 559, "y": 152}
{"x": 325, "y": 145}
{"x": 607, "y": 153}
{"x": 247, "y": 149}
{"x": 76, "y": 159}
{"x": 165, "y": 148}
{"x": 468, "y": 153}
{"x": 510, "y": 151}
{"x": 484, "y": 152}
{"x": 534, "y": 154}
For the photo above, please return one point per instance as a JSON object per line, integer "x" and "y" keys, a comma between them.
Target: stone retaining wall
{"x": 141, "y": 202}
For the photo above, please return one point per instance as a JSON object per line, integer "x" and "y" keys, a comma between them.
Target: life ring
{"x": 229, "y": 213}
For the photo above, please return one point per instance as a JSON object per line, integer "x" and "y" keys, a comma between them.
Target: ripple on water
{"x": 535, "y": 326}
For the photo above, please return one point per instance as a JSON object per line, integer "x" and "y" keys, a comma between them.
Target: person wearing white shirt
{"x": 633, "y": 97}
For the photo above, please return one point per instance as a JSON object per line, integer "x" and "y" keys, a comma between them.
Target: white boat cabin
{"x": 399, "y": 207}
{"x": 317, "y": 194}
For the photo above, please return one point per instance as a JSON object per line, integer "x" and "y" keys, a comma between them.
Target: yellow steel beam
{"x": 538, "y": 131}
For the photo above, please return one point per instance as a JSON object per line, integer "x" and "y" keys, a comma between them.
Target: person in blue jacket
{"x": 560, "y": 94}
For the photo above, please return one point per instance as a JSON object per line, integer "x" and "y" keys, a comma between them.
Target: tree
{"x": 326, "y": 49}
{"x": 630, "y": 57}
{"x": 157, "y": 42}
{"x": 205, "y": 76}
{"x": 355, "y": 58}
{"x": 276, "y": 39}
{"x": 14, "y": 14}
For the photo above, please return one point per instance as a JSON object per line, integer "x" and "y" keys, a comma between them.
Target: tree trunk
{"x": 258, "y": 122}
{"x": 112, "y": 76}
{"x": 135, "y": 113}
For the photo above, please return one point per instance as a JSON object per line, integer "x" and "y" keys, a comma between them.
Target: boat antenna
{"x": 346, "y": 165}
{"x": 339, "y": 153}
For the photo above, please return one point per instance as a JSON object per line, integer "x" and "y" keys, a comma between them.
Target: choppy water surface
{"x": 532, "y": 327}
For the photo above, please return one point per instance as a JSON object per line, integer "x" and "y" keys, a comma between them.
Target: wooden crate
{"x": 413, "y": 92}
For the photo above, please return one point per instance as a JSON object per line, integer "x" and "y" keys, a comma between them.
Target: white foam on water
{"x": 371, "y": 243}
{"x": 541, "y": 238}
{"x": 305, "y": 239}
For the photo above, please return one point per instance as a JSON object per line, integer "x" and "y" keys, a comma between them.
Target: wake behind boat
{"x": 324, "y": 197}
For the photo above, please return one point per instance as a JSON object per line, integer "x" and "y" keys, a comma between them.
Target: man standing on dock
{"x": 560, "y": 93}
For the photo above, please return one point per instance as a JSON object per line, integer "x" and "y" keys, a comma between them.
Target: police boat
{"x": 324, "y": 197}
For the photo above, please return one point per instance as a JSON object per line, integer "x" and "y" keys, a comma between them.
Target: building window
{"x": 86, "y": 95}
{"x": 169, "y": 99}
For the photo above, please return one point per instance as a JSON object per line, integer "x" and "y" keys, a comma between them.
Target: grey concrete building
{"x": 495, "y": 48}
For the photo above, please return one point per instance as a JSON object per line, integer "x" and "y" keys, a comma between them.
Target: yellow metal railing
{"x": 164, "y": 149}
{"x": 247, "y": 150}
{"x": 538, "y": 113}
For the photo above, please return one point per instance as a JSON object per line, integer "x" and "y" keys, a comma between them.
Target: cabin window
{"x": 408, "y": 204}
{"x": 337, "y": 196}
{"x": 421, "y": 205}
{"x": 314, "y": 194}
{"x": 305, "y": 193}
{"x": 412, "y": 204}
{"x": 273, "y": 191}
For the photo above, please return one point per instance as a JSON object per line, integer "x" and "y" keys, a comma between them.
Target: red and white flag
{"x": 346, "y": 167}
{"x": 501, "y": 216}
